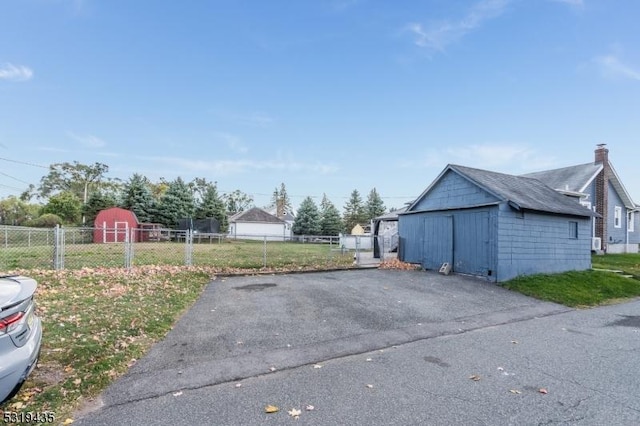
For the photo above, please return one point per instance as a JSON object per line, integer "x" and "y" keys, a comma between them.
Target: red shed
{"x": 112, "y": 226}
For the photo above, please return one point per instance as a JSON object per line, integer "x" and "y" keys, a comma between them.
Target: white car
{"x": 20, "y": 333}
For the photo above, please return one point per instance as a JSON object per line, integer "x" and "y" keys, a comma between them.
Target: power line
{"x": 11, "y": 187}
{"x": 23, "y": 162}
{"x": 14, "y": 178}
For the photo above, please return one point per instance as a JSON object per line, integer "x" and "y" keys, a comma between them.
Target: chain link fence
{"x": 74, "y": 248}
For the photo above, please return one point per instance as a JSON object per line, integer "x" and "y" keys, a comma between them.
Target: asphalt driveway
{"x": 242, "y": 327}
{"x": 394, "y": 347}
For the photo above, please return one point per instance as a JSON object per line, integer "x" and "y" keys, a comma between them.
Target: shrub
{"x": 47, "y": 220}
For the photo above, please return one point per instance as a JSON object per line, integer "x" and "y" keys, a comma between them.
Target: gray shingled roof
{"x": 392, "y": 215}
{"x": 573, "y": 178}
{"x": 523, "y": 192}
{"x": 255, "y": 214}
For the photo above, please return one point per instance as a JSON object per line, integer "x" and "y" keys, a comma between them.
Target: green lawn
{"x": 585, "y": 288}
{"x": 629, "y": 263}
{"x": 97, "y": 322}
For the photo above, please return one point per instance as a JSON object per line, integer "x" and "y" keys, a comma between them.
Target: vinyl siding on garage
{"x": 454, "y": 191}
{"x": 532, "y": 242}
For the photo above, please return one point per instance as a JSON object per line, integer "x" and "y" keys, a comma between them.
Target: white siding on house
{"x": 257, "y": 231}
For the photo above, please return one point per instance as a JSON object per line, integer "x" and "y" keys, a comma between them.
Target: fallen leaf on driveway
{"x": 517, "y": 392}
{"x": 310, "y": 408}
{"x": 272, "y": 369}
{"x": 271, "y": 409}
{"x": 317, "y": 366}
{"x": 543, "y": 391}
{"x": 238, "y": 385}
{"x": 370, "y": 386}
{"x": 295, "y": 413}
{"x": 368, "y": 359}
{"x": 515, "y": 342}
{"x": 474, "y": 377}
{"x": 177, "y": 393}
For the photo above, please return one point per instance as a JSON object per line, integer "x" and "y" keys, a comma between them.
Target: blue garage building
{"x": 495, "y": 225}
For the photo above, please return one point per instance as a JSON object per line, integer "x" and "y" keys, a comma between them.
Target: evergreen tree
{"x": 177, "y": 203}
{"x": 211, "y": 205}
{"x": 330, "y": 222}
{"x": 137, "y": 197}
{"x": 97, "y": 201}
{"x": 354, "y": 212}
{"x": 375, "y": 205}
{"x": 308, "y": 219}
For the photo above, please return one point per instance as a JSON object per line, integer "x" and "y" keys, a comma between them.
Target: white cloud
{"x": 226, "y": 167}
{"x": 612, "y": 67}
{"x": 438, "y": 36}
{"x": 52, "y": 149}
{"x": 88, "y": 140}
{"x": 233, "y": 142}
{"x": 15, "y": 72}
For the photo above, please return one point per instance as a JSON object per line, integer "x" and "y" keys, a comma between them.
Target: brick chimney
{"x": 602, "y": 192}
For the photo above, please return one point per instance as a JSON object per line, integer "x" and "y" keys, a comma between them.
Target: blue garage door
{"x": 438, "y": 241}
{"x": 471, "y": 243}
{"x": 461, "y": 239}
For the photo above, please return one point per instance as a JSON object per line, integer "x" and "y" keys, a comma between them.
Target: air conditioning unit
{"x": 596, "y": 243}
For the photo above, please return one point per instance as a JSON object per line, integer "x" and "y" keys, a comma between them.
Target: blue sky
{"x": 326, "y": 96}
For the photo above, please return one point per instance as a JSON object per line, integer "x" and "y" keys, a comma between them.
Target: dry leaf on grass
{"x": 397, "y": 264}
{"x": 294, "y": 413}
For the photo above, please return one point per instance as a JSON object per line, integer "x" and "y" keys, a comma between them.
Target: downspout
{"x": 626, "y": 242}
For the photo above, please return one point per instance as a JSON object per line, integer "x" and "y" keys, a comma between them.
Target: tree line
{"x": 75, "y": 193}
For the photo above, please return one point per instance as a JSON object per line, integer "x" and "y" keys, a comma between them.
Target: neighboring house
{"x": 598, "y": 186}
{"x": 256, "y": 224}
{"x": 288, "y": 216}
{"x": 495, "y": 225}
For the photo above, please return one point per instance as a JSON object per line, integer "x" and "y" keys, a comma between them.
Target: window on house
{"x": 617, "y": 217}
{"x": 632, "y": 219}
{"x": 573, "y": 229}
